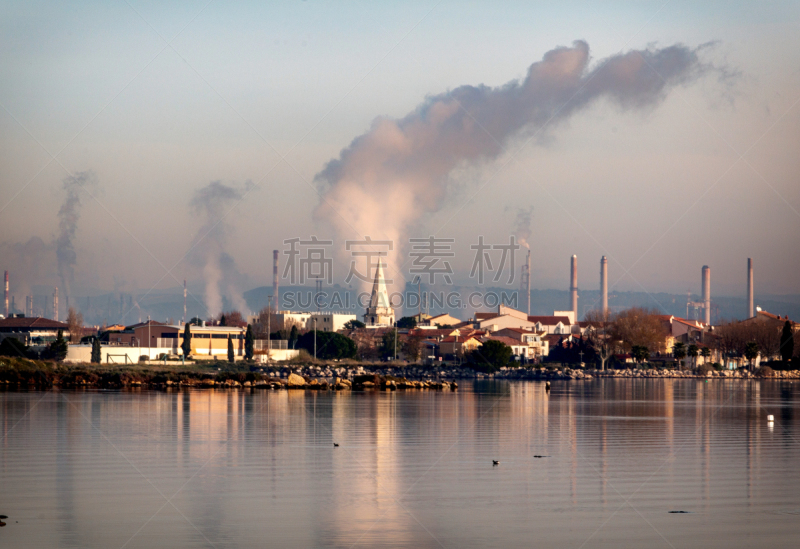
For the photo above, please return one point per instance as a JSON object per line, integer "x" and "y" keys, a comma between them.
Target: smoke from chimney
{"x": 213, "y": 202}
{"x": 396, "y": 173}
{"x": 68, "y": 217}
{"x": 522, "y": 226}
{"x": 750, "y": 310}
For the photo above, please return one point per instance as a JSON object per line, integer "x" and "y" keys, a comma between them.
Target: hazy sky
{"x": 159, "y": 101}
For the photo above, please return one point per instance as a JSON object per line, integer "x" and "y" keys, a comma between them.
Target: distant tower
{"x": 379, "y": 312}
{"x": 525, "y": 285}
{"x": 706, "y": 294}
{"x": 573, "y": 286}
{"x": 750, "y": 310}
{"x": 6, "y": 294}
{"x": 184, "y": 300}
{"x": 55, "y": 304}
{"x": 275, "y": 294}
{"x": 29, "y": 306}
{"x": 604, "y": 285}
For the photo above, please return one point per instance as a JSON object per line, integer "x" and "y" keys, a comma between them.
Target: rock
{"x": 295, "y": 380}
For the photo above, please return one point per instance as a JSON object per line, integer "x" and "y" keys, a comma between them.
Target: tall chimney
{"x": 573, "y": 286}
{"x": 525, "y": 285}
{"x": 275, "y": 295}
{"x": 184, "y": 301}
{"x": 6, "y": 294}
{"x": 706, "y": 294}
{"x": 750, "y": 310}
{"x": 29, "y": 306}
{"x": 55, "y": 304}
{"x": 604, "y": 285}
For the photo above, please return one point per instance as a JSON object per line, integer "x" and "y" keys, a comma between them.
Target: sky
{"x": 117, "y": 119}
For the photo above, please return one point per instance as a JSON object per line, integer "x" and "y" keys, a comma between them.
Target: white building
{"x": 322, "y": 321}
{"x": 379, "y": 312}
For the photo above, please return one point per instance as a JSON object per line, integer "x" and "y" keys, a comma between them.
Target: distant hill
{"x": 167, "y": 304}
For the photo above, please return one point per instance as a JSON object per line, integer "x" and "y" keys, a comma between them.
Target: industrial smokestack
{"x": 604, "y": 285}
{"x": 275, "y": 295}
{"x": 6, "y": 294}
{"x": 525, "y": 285}
{"x": 750, "y": 311}
{"x": 29, "y": 306}
{"x": 706, "y": 294}
{"x": 184, "y": 300}
{"x": 55, "y": 304}
{"x": 573, "y": 287}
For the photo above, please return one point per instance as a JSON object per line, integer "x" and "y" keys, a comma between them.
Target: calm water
{"x": 414, "y": 469}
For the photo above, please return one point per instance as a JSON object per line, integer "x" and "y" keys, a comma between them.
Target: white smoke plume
{"x": 522, "y": 226}
{"x": 68, "y": 216}
{"x": 391, "y": 176}
{"x": 220, "y": 274}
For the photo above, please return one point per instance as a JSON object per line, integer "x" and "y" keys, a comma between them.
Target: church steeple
{"x": 379, "y": 312}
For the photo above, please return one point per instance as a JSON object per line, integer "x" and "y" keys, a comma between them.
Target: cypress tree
{"x": 59, "y": 348}
{"x": 96, "y": 355}
{"x": 787, "y": 342}
{"x": 249, "y": 343}
{"x": 186, "y": 346}
{"x": 230, "y": 349}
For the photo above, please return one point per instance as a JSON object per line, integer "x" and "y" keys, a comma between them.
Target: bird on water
{"x": 335, "y": 444}
{"x": 495, "y": 462}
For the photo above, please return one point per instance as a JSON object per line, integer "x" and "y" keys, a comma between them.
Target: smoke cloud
{"x": 220, "y": 274}
{"x": 68, "y": 216}
{"x": 391, "y": 176}
{"x": 522, "y": 226}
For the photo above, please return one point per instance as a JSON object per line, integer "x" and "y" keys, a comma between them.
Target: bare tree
{"x": 639, "y": 326}
{"x": 600, "y": 334}
{"x": 75, "y": 324}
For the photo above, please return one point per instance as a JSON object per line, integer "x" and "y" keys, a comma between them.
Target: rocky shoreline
{"x": 333, "y": 377}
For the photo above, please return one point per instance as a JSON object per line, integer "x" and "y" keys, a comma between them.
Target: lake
{"x": 245, "y": 468}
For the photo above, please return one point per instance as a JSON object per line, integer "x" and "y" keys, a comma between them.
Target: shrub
{"x": 704, "y": 369}
{"x": 765, "y": 371}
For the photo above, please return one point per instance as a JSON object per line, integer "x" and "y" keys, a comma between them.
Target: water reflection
{"x": 220, "y": 468}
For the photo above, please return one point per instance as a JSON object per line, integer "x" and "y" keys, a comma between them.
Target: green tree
{"x": 407, "y": 322}
{"x": 222, "y": 320}
{"x": 490, "y": 356}
{"x": 197, "y": 321}
{"x": 293, "y": 335}
{"x": 186, "y": 346}
{"x": 96, "y": 354}
{"x": 59, "y": 348}
{"x": 751, "y": 352}
{"x": 388, "y": 344}
{"x": 679, "y": 352}
{"x": 640, "y": 353}
{"x": 13, "y": 347}
{"x": 330, "y": 345}
{"x": 249, "y": 343}
{"x": 354, "y": 324}
{"x": 787, "y": 342}
{"x": 705, "y": 352}
{"x": 230, "y": 350}
{"x": 692, "y": 352}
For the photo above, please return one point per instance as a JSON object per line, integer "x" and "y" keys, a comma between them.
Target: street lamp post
{"x": 149, "y": 350}
{"x": 315, "y": 339}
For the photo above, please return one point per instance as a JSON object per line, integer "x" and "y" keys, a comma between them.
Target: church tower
{"x": 379, "y": 312}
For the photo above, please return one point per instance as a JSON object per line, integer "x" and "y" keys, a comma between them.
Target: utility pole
{"x": 395, "y": 340}
{"x": 149, "y": 351}
{"x": 269, "y": 330}
{"x": 315, "y": 339}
